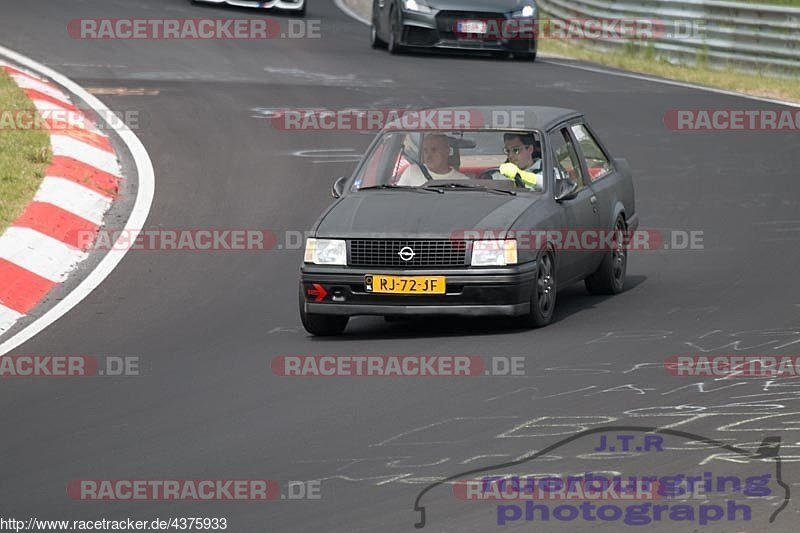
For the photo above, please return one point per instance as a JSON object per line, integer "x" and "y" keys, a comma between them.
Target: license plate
{"x": 472, "y": 26}
{"x": 405, "y": 284}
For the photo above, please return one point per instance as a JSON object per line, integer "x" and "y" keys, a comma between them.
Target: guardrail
{"x": 747, "y": 37}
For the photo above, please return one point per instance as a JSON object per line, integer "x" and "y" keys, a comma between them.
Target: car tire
{"x": 610, "y": 276}
{"x": 393, "y": 45}
{"x": 543, "y": 296}
{"x": 321, "y": 325}
{"x": 374, "y": 39}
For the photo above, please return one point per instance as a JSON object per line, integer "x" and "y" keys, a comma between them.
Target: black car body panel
{"x": 379, "y": 214}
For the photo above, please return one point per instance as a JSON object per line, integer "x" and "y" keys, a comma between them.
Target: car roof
{"x": 500, "y": 118}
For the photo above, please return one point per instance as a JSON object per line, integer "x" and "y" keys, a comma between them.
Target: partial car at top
{"x": 508, "y": 26}
{"x": 297, "y": 7}
{"x": 411, "y": 233}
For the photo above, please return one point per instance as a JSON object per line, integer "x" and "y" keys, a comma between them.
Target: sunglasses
{"x": 514, "y": 149}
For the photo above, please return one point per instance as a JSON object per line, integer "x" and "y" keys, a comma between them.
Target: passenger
{"x": 436, "y": 158}
{"x": 523, "y": 161}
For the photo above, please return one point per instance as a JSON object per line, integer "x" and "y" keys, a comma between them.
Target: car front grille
{"x": 446, "y": 21}
{"x": 427, "y": 253}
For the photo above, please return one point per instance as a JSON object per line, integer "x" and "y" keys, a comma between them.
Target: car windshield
{"x": 452, "y": 160}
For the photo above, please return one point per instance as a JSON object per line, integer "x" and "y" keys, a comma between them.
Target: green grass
{"x": 24, "y": 154}
{"x": 792, "y": 3}
{"x": 644, "y": 60}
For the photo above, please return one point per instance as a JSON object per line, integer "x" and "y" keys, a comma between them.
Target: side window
{"x": 596, "y": 161}
{"x": 566, "y": 158}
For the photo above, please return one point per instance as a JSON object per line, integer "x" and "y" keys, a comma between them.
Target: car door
{"x": 578, "y": 214}
{"x": 603, "y": 177}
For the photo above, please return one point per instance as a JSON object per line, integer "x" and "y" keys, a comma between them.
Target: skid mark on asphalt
{"x": 84, "y": 65}
{"x": 123, "y": 91}
{"x": 780, "y": 230}
{"x": 331, "y": 155}
{"x": 330, "y": 80}
{"x": 282, "y": 329}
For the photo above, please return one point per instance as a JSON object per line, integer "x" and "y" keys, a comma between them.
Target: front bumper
{"x": 470, "y": 292}
{"x": 279, "y": 4}
{"x": 437, "y": 30}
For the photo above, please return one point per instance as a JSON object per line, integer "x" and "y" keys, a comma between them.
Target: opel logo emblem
{"x": 406, "y": 253}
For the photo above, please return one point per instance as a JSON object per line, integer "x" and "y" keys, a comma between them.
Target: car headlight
{"x": 527, "y": 11}
{"x": 326, "y": 251}
{"x": 414, "y": 5}
{"x": 494, "y": 253}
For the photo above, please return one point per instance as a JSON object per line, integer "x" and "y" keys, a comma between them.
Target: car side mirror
{"x": 567, "y": 188}
{"x": 338, "y": 187}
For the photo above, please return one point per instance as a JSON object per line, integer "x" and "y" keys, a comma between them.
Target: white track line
{"x": 73, "y": 197}
{"x": 28, "y": 83}
{"x": 45, "y": 106}
{"x": 8, "y": 317}
{"x": 38, "y": 253}
{"x": 64, "y": 119}
{"x": 21, "y": 70}
{"x": 136, "y": 220}
{"x": 86, "y": 153}
{"x": 350, "y": 12}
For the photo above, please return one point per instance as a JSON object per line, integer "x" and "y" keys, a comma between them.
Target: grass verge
{"x": 790, "y": 3}
{"x": 644, "y": 61}
{"x": 24, "y": 153}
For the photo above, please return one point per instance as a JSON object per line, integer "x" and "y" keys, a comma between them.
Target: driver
{"x": 524, "y": 161}
{"x": 436, "y": 157}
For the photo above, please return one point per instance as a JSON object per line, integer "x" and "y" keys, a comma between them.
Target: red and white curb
{"x": 41, "y": 247}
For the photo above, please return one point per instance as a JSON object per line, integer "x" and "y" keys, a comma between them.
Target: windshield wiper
{"x": 404, "y": 187}
{"x": 465, "y": 186}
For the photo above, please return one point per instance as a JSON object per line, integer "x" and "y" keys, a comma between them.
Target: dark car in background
{"x": 507, "y": 26}
{"x": 298, "y": 7}
{"x": 469, "y": 242}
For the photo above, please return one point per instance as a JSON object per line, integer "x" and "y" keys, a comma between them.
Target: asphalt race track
{"x": 206, "y": 325}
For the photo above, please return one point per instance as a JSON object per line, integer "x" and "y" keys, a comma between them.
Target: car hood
{"x": 407, "y": 214}
{"x": 494, "y": 6}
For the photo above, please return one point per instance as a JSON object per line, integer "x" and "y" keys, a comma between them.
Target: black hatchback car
{"x": 432, "y": 222}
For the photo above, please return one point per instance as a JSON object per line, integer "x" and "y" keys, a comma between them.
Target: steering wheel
{"x": 488, "y": 173}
